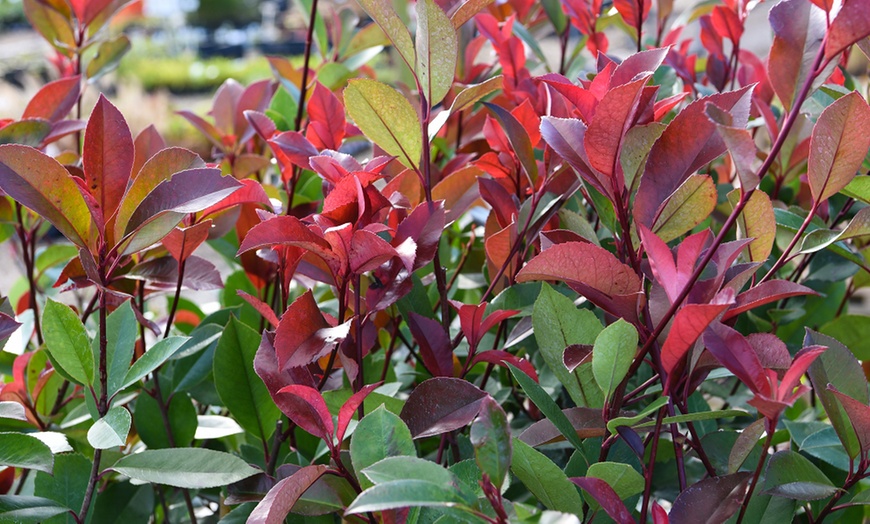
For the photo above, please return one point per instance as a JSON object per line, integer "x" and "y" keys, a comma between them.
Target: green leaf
{"x": 66, "y": 485}
{"x": 152, "y": 359}
{"x": 558, "y": 323}
{"x": 789, "y": 474}
{"x": 612, "y": 355}
{"x": 624, "y": 480}
{"x": 67, "y": 342}
{"x": 379, "y": 435}
{"x": 151, "y": 427}
{"x": 383, "y": 14}
{"x": 19, "y": 509}
{"x": 547, "y": 406}
{"x": 545, "y": 480}
{"x": 121, "y": 332}
{"x": 192, "y": 468}
{"x": 491, "y": 438}
{"x": 697, "y": 417}
{"x": 687, "y": 207}
{"x": 614, "y": 423}
{"x": 111, "y": 430}
{"x": 853, "y": 331}
{"x": 23, "y": 451}
{"x": 124, "y": 502}
{"x": 436, "y": 51}
{"x": 405, "y": 494}
{"x": 12, "y": 410}
{"x": 386, "y": 118}
{"x": 238, "y": 386}
{"x": 409, "y": 468}
{"x": 556, "y": 15}
{"x": 109, "y": 55}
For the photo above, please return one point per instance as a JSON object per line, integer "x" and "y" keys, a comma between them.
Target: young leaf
{"x": 23, "y": 451}
{"x": 191, "y": 468}
{"x": 733, "y": 351}
{"x": 789, "y": 474}
{"x": 441, "y": 404}
{"x": 435, "y": 347}
{"x": 798, "y": 31}
{"x": 687, "y": 207}
{"x": 40, "y": 183}
{"x": 383, "y": 14}
{"x": 545, "y": 480}
{"x": 436, "y": 51}
{"x": 303, "y": 335}
{"x": 606, "y": 496}
{"x": 111, "y": 430}
{"x": 491, "y": 438}
{"x": 67, "y": 342}
{"x": 613, "y": 353}
{"x": 379, "y": 435}
{"x": 616, "y": 112}
{"x": 851, "y": 25}
{"x": 107, "y": 156}
{"x": 347, "y": 410}
{"x": 275, "y": 506}
{"x": 838, "y": 145}
{"x": 519, "y": 138}
{"x": 306, "y": 408}
{"x": 109, "y": 55}
{"x": 54, "y": 100}
{"x": 239, "y": 387}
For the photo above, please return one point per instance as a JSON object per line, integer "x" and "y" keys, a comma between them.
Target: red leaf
{"x": 519, "y": 139}
{"x": 713, "y": 499}
{"x": 147, "y": 144}
{"x": 502, "y": 358}
{"x": 566, "y": 136}
{"x": 435, "y": 347}
{"x": 54, "y": 100}
{"x": 182, "y": 242}
{"x": 262, "y": 308}
{"x": 212, "y": 133}
{"x": 255, "y": 97}
{"x": 8, "y": 325}
{"x": 441, "y": 404}
{"x": 307, "y": 410}
{"x": 278, "y": 503}
{"x": 645, "y": 62}
{"x": 251, "y": 192}
{"x": 291, "y": 231}
{"x": 424, "y": 226}
{"x": 798, "y": 29}
{"x": 851, "y": 25}
{"x": 107, "y": 157}
{"x": 689, "y": 323}
{"x": 261, "y": 124}
{"x": 765, "y": 293}
{"x": 273, "y": 376}
{"x": 659, "y": 515}
{"x": 291, "y": 148}
{"x": 303, "y": 335}
{"x": 798, "y": 367}
{"x": 734, "y": 352}
{"x": 859, "y": 417}
{"x": 368, "y": 251}
{"x": 727, "y": 23}
{"x": 587, "y": 422}
{"x": 326, "y": 119}
{"x": 345, "y": 413}
{"x": 688, "y": 143}
{"x": 604, "y": 495}
{"x": 162, "y": 273}
{"x": 613, "y": 118}
{"x": 591, "y": 271}
{"x": 839, "y": 143}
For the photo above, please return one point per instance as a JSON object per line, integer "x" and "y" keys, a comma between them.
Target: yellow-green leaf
{"x": 687, "y": 207}
{"x": 756, "y": 221}
{"x": 436, "y": 51}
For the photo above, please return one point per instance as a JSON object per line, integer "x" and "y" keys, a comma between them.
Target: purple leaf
{"x": 276, "y": 505}
{"x": 435, "y": 347}
{"x": 441, "y": 404}
{"x": 303, "y": 335}
{"x": 713, "y": 500}
{"x": 107, "y": 156}
{"x": 606, "y": 497}
{"x": 587, "y": 422}
{"x": 734, "y": 352}
{"x": 162, "y": 273}
{"x": 306, "y": 408}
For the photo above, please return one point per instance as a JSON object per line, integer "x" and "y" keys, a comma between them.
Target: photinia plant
{"x": 501, "y": 286}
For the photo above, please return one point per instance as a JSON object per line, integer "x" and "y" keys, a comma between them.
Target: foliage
{"x": 600, "y": 289}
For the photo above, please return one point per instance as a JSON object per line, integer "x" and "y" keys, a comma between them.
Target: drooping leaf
{"x": 545, "y": 480}
{"x": 239, "y": 387}
{"x": 275, "y": 506}
{"x": 713, "y": 499}
{"x": 387, "y": 118}
{"x": 40, "y": 183}
{"x": 789, "y": 474}
{"x": 111, "y": 430}
{"x": 613, "y": 353}
{"x": 604, "y": 494}
{"x": 436, "y": 47}
{"x": 441, "y": 404}
{"x": 590, "y": 270}
{"x": 491, "y": 438}
{"x": 23, "y": 451}
{"x": 838, "y": 145}
{"x": 191, "y": 468}
{"x": 67, "y": 342}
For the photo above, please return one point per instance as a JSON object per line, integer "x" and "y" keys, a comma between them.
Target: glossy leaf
{"x": 436, "y": 47}
{"x": 379, "y": 435}
{"x": 604, "y": 494}
{"x": 798, "y": 29}
{"x": 349, "y": 408}
{"x": 789, "y": 474}
{"x": 54, "y": 100}
{"x": 152, "y": 359}
{"x": 689, "y": 323}
{"x": 40, "y": 183}
{"x": 859, "y": 417}
{"x": 385, "y": 117}
{"x": 403, "y": 494}
{"x": 111, "y": 430}
{"x": 275, "y": 506}
{"x": 491, "y": 438}
{"x": 192, "y": 468}
{"x": 107, "y": 156}
{"x": 851, "y": 25}
{"x": 624, "y": 479}
{"x": 28, "y": 509}
{"x": 713, "y": 499}
{"x": 108, "y": 57}
{"x": 586, "y": 423}
{"x": 303, "y": 335}
{"x": 239, "y": 387}
{"x": 616, "y": 112}
{"x": 547, "y": 406}
{"x": 23, "y": 451}
{"x": 687, "y": 207}
{"x": 519, "y": 139}
{"x": 545, "y": 480}
{"x": 441, "y": 404}
{"x": 67, "y": 342}
{"x": 305, "y": 407}
{"x": 613, "y": 354}
{"x": 734, "y": 352}
{"x": 838, "y": 146}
